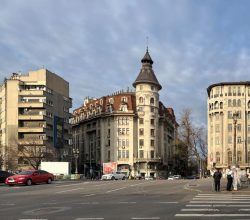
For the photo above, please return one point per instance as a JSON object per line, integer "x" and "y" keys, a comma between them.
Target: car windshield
{"x": 25, "y": 173}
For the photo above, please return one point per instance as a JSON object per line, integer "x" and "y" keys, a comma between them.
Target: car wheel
{"x": 123, "y": 178}
{"x": 29, "y": 182}
{"x": 112, "y": 178}
{"x": 49, "y": 181}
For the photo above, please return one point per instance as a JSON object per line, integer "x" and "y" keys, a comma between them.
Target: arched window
{"x": 248, "y": 104}
{"x": 239, "y": 156}
{"x": 229, "y": 157}
{"x": 234, "y": 103}
{"x": 152, "y": 101}
{"x": 140, "y": 100}
{"x": 221, "y": 105}
{"x": 238, "y": 103}
{"x": 217, "y": 157}
{"x": 216, "y": 105}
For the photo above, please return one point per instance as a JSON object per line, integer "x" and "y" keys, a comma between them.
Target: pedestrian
{"x": 229, "y": 175}
{"x": 217, "y": 176}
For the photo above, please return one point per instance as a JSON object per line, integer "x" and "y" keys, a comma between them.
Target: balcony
{"x": 29, "y": 141}
{"x": 32, "y": 93}
{"x": 31, "y": 129}
{"x": 31, "y": 117}
{"x": 31, "y": 104}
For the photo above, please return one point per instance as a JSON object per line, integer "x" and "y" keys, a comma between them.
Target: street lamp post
{"x": 76, "y": 155}
{"x": 235, "y": 117}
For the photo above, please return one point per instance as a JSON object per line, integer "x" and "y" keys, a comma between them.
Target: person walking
{"x": 229, "y": 174}
{"x": 217, "y": 176}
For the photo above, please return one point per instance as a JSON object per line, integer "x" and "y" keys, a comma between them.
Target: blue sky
{"x": 97, "y": 45}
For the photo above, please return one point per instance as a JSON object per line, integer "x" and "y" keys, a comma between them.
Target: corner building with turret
{"x": 132, "y": 128}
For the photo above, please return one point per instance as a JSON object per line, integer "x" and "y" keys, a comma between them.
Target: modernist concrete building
{"x": 132, "y": 128}
{"x": 229, "y": 124}
{"x": 34, "y": 117}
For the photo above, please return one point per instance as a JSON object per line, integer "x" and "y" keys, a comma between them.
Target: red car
{"x": 30, "y": 177}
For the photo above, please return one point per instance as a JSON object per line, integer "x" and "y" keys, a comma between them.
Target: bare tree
{"x": 194, "y": 138}
{"x": 35, "y": 154}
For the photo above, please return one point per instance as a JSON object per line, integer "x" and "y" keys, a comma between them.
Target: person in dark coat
{"x": 217, "y": 176}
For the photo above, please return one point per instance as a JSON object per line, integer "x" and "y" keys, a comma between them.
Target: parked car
{"x": 114, "y": 176}
{"x": 30, "y": 177}
{"x": 171, "y": 178}
{"x": 174, "y": 177}
{"x": 4, "y": 175}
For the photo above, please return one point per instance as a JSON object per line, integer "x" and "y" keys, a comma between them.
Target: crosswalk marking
{"x": 217, "y": 205}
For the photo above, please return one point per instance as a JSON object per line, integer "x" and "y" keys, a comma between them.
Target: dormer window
{"x": 124, "y": 99}
{"x": 111, "y": 101}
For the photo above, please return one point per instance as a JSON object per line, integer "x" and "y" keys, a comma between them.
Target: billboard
{"x": 110, "y": 167}
{"x": 58, "y": 132}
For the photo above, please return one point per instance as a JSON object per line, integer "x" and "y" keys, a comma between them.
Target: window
{"x": 234, "y": 103}
{"x": 141, "y": 121}
{"x": 152, "y": 122}
{"x": 152, "y": 101}
{"x": 221, "y": 105}
{"x": 229, "y": 91}
{"x": 119, "y": 154}
{"x": 141, "y": 131}
{"x": 141, "y": 142}
{"x": 229, "y": 140}
{"x": 229, "y": 103}
{"x": 152, "y": 109}
{"x": 217, "y": 116}
{"x": 229, "y": 115}
{"x": 239, "y": 139}
{"x": 152, "y": 143}
{"x": 229, "y": 157}
{"x": 152, "y": 88}
{"x": 127, "y": 153}
{"x": 239, "y": 156}
{"x": 152, "y": 154}
{"x": 152, "y": 132}
{"x": 141, "y": 154}
{"x": 217, "y": 157}
{"x": 239, "y": 127}
{"x": 248, "y": 128}
{"x": 248, "y": 140}
{"x": 229, "y": 127}
{"x": 140, "y": 100}
{"x": 248, "y": 156}
{"x": 238, "y": 103}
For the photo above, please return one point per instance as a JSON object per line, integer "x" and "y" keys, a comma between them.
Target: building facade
{"x": 132, "y": 128}
{"x": 34, "y": 118}
{"x": 229, "y": 124}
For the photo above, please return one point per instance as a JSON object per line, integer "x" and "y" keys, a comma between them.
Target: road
{"x": 118, "y": 200}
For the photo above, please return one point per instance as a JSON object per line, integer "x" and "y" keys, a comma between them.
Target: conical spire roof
{"x": 146, "y": 74}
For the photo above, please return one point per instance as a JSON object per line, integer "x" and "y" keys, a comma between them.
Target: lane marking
{"x": 113, "y": 190}
{"x": 10, "y": 204}
{"x": 89, "y": 195}
{"x": 87, "y": 218}
{"x": 219, "y": 199}
{"x": 88, "y": 203}
{"x": 228, "y": 202}
{"x": 74, "y": 184}
{"x": 69, "y": 190}
{"x": 200, "y": 210}
{"x": 212, "y": 215}
{"x": 126, "y": 202}
{"x": 145, "y": 218}
{"x": 167, "y": 202}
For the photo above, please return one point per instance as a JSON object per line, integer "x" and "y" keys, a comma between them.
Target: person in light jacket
{"x": 229, "y": 175}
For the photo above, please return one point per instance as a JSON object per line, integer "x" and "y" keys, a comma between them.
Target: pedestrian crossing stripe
{"x": 217, "y": 205}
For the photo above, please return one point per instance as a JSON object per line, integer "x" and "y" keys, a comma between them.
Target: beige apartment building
{"x": 34, "y": 118}
{"x": 229, "y": 124}
{"x": 132, "y": 128}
